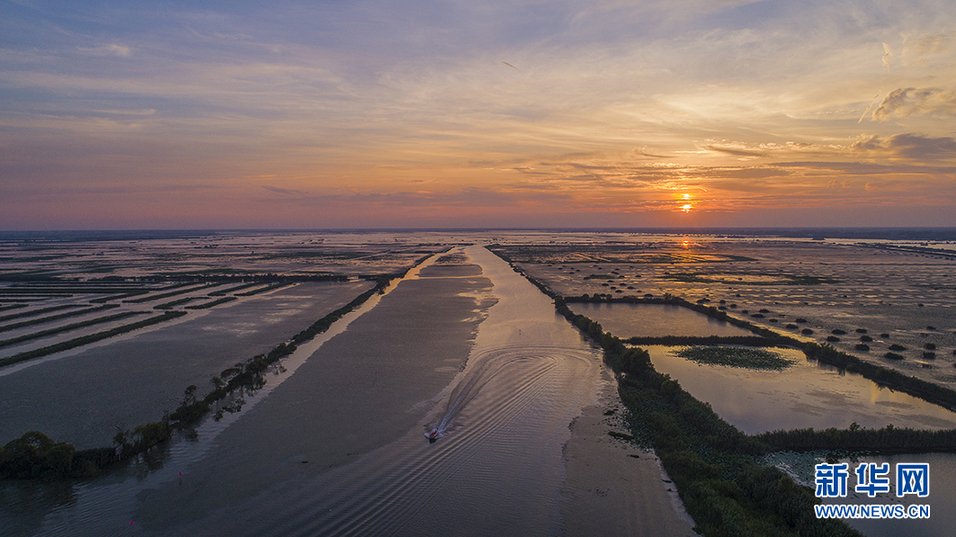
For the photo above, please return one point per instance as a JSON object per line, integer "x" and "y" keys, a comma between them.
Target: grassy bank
{"x": 714, "y": 465}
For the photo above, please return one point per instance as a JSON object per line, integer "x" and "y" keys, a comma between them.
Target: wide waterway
{"x": 337, "y": 448}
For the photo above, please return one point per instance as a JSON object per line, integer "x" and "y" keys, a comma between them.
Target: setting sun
{"x": 686, "y": 207}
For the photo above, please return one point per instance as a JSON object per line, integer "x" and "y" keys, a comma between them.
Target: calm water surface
{"x": 655, "y": 320}
{"x": 808, "y": 394}
{"x": 942, "y": 491}
{"x": 499, "y": 469}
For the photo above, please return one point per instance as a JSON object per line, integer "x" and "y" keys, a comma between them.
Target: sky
{"x": 371, "y": 114}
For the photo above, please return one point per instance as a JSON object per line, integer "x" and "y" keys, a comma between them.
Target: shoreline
{"x": 613, "y": 487}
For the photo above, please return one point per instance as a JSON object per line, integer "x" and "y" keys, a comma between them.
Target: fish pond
{"x": 627, "y": 320}
{"x": 760, "y": 390}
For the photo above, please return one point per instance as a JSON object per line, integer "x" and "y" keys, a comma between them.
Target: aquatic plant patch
{"x": 735, "y": 278}
{"x": 746, "y": 358}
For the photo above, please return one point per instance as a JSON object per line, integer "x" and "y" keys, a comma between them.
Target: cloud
{"x": 284, "y": 191}
{"x": 736, "y": 152}
{"x": 868, "y": 107}
{"x": 924, "y": 45}
{"x": 911, "y": 146}
{"x": 904, "y": 102}
{"x": 112, "y": 49}
{"x": 887, "y": 56}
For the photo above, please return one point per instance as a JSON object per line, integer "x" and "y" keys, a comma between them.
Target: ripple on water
{"x": 506, "y": 419}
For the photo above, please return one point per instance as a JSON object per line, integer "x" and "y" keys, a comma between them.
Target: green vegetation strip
{"x": 55, "y": 317}
{"x": 101, "y": 300}
{"x": 264, "y": 289}
{"x": 212, "y": 303}
{"x": 223, "y": 292}
{"x": 825, "y": 353}
{"x": 715, "y": 466}
{"x": 138, "y": 292}
{"x": 736, "y": 357}
{"x": 67, "y": 328}
{"x": 164, "y": 295}
{"x": 37, "y": 312}
{"x": 92, "y": 338}
{"x": 249, "y": 374}
{"x": 35, "y": 456}
{"x": 749, "y": 341}
{"x": 174, "y": 303}
{"x": 723, "y": 485}
{"x": 7, "y": 291}
{"x": 887, "y": 440}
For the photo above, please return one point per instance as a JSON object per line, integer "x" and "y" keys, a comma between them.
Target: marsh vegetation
{"x": 742, "y": 357}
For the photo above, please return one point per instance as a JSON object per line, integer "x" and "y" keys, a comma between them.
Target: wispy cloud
{"x": 283, "y": 191}
{"x": 887, "y": 56}
{"x": 617, "y": 104}
{"x": 112, "y": 49}
{"x": 904, "y": 102}
{"x": 911, "y": 146}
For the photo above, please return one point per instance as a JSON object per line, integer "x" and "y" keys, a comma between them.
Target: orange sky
{"x": 464, "y": 114}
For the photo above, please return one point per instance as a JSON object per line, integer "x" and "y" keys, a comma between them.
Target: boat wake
{"x": 486, "y": 367}
{"x": 504, "y": 424}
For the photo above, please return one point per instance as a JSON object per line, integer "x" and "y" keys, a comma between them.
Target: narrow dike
{"x": 713, "y": 464}
{"x": 36, "y": 456}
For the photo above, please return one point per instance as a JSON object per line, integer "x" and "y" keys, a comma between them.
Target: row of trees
{"x": 36, "y": 456}
{"x": 713, "y": 464}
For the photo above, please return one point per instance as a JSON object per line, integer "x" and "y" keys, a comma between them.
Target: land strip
{"x": 31, "y": 313}
{"x": 714, "y": 465}
{"x": 92, "y": 338}
{"x": 67, "y": 328}
{"x": 52, "y": 318}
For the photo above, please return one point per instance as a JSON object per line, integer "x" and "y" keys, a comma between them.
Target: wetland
{"x": 536, "y": 411}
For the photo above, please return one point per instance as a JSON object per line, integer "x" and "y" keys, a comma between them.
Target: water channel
{"x": 334, "y": 445}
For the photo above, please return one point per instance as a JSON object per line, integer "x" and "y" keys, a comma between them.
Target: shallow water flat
{"x": 655, "y": 320}
{"x": 808, "y": 394}
{"x": 83, "y": 396}
{"x": 942, "y": 479}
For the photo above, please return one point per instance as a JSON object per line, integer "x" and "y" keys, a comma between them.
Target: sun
{"x": 686, "y": 202}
